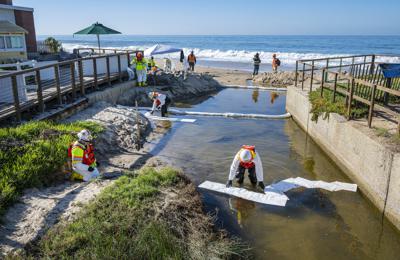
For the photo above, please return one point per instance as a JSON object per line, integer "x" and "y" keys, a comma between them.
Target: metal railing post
{"x": 58, "y": 85}
{"x": 334, "y": 88}
{"x": 372, "y": 68}
{"x": 322, "y": 83}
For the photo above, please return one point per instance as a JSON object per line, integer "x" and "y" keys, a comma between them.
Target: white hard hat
{"x": 152, "y": 94}
{"x": 85, "y": 135}
{"x": 245, "y": 155}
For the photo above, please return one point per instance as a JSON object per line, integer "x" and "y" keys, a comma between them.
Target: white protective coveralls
{"x": 235, "y": 166}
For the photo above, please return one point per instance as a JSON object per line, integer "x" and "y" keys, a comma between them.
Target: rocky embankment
{"x": 280, "y": 78}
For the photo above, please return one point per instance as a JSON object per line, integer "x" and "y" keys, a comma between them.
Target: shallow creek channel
{"x": 315, "y": 224}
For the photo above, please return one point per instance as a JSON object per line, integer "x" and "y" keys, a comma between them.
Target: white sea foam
{"x": 243, "y": 56}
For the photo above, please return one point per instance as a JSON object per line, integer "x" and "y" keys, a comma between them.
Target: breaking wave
{"x": 243, "y": 56}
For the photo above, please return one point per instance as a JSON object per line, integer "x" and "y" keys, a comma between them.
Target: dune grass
{"x": 126, "y": 222}
{"x": 31, "y": 154}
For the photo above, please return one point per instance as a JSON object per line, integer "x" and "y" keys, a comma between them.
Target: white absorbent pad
{"x": 171, "y": 119}
{"x": 274, "y": 193}
{"x": 270, "y": 197}
{"x": 292, "y": 183}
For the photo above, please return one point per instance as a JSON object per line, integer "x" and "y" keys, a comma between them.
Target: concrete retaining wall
{"x": 374, "y": 167}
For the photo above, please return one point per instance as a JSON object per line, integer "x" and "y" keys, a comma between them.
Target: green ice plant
{"x": 31, "y": 155}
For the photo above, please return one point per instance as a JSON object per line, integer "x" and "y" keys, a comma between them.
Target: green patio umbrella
{"x": 97, "y": 28}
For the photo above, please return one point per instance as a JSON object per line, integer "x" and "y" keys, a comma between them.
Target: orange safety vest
{"x": 88, "y": 152}
{"x": 191, "y": 58}
{"x": 250, "y": 164}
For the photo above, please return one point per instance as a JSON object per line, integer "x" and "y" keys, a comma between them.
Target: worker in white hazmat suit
{"x": 160, "y": 101}
{"x": 247, "y": 159}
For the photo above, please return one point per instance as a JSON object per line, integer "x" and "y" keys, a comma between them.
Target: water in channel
{"x": 315, "y": 224}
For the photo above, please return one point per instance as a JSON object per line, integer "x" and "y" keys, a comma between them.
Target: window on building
{"x": 11, "y": 42}
{"x": 2, "y": 43}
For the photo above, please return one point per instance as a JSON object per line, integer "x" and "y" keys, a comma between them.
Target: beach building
{"x": 17, "y": 32}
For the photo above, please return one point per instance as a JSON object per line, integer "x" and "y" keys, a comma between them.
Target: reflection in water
{"x": 255, "y": 95}
{"x": 242, "y": 208}
{"x": 274, "y": 96}
{"x": 315, "y": 224}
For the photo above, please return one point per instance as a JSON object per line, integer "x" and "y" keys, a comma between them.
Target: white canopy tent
{"x": 160, "y": 49}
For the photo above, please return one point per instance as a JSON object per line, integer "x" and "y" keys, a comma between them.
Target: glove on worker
{"x": 90, "y": 169}
{"x": 229, "y": 184}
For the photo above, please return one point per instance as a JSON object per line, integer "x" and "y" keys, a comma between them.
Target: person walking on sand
{"x": 247, "y": 159}
{"x": 81, "y": 154}
{"x": 160, "y": 101}
{"x": 275, "y": 63}
{"x": 257, "y": 62}
{"x": 192, "y": 61}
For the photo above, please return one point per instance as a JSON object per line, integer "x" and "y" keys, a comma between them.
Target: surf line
{"x": 255, "y": 87}
{"x": 227, "y": 114}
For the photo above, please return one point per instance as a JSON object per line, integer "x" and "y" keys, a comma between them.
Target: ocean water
{"x": 238, "y": 51}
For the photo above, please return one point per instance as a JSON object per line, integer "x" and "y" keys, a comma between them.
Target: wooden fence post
{"x": 312, "y": 75}
{"x": 371, "y": 71}
{"x": 81, "y": 82}
{"x": 72, "y": 69}
{"x": 108, "y": 70}
{"x": 39, "y": 91}
{"x": 350, "y": 99}
{"x": 322, "y": 83}
{"x": 16, "y": 97}
{"x": 95, "y": 73}
{"x": 119, "y": 68}
{"x": 58, "y": 85}
{"x": 371, "y": 106}
{"x": 334, "y": 88}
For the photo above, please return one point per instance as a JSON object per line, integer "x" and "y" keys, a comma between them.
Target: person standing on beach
{"x": 140, "y": 64}
{"x": 275, "y": 63}
{"x": 257, "y": 62}
{"x": 192, "y": 61}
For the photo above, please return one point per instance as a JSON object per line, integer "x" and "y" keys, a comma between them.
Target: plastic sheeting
{"x": 160, "y": 49}
{"x": 270, "y": 197}
{"x": 274, "y": 193}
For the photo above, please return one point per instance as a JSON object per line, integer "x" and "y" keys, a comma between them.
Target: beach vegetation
{"x": 147, "y": 214}
{"x": 31, "y": 155}
{"x": 324, "y": 105}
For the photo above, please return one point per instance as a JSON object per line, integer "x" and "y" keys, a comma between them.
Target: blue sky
{"x": 213, "y": 17}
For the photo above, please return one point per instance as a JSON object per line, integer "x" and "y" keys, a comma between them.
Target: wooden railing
{"x": 357, "y": 78}
{"x": 58, "y": 84}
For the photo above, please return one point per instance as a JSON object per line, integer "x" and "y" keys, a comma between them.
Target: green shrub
{"x": 31, "y": 154}
{"x": 324, "y": 105}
